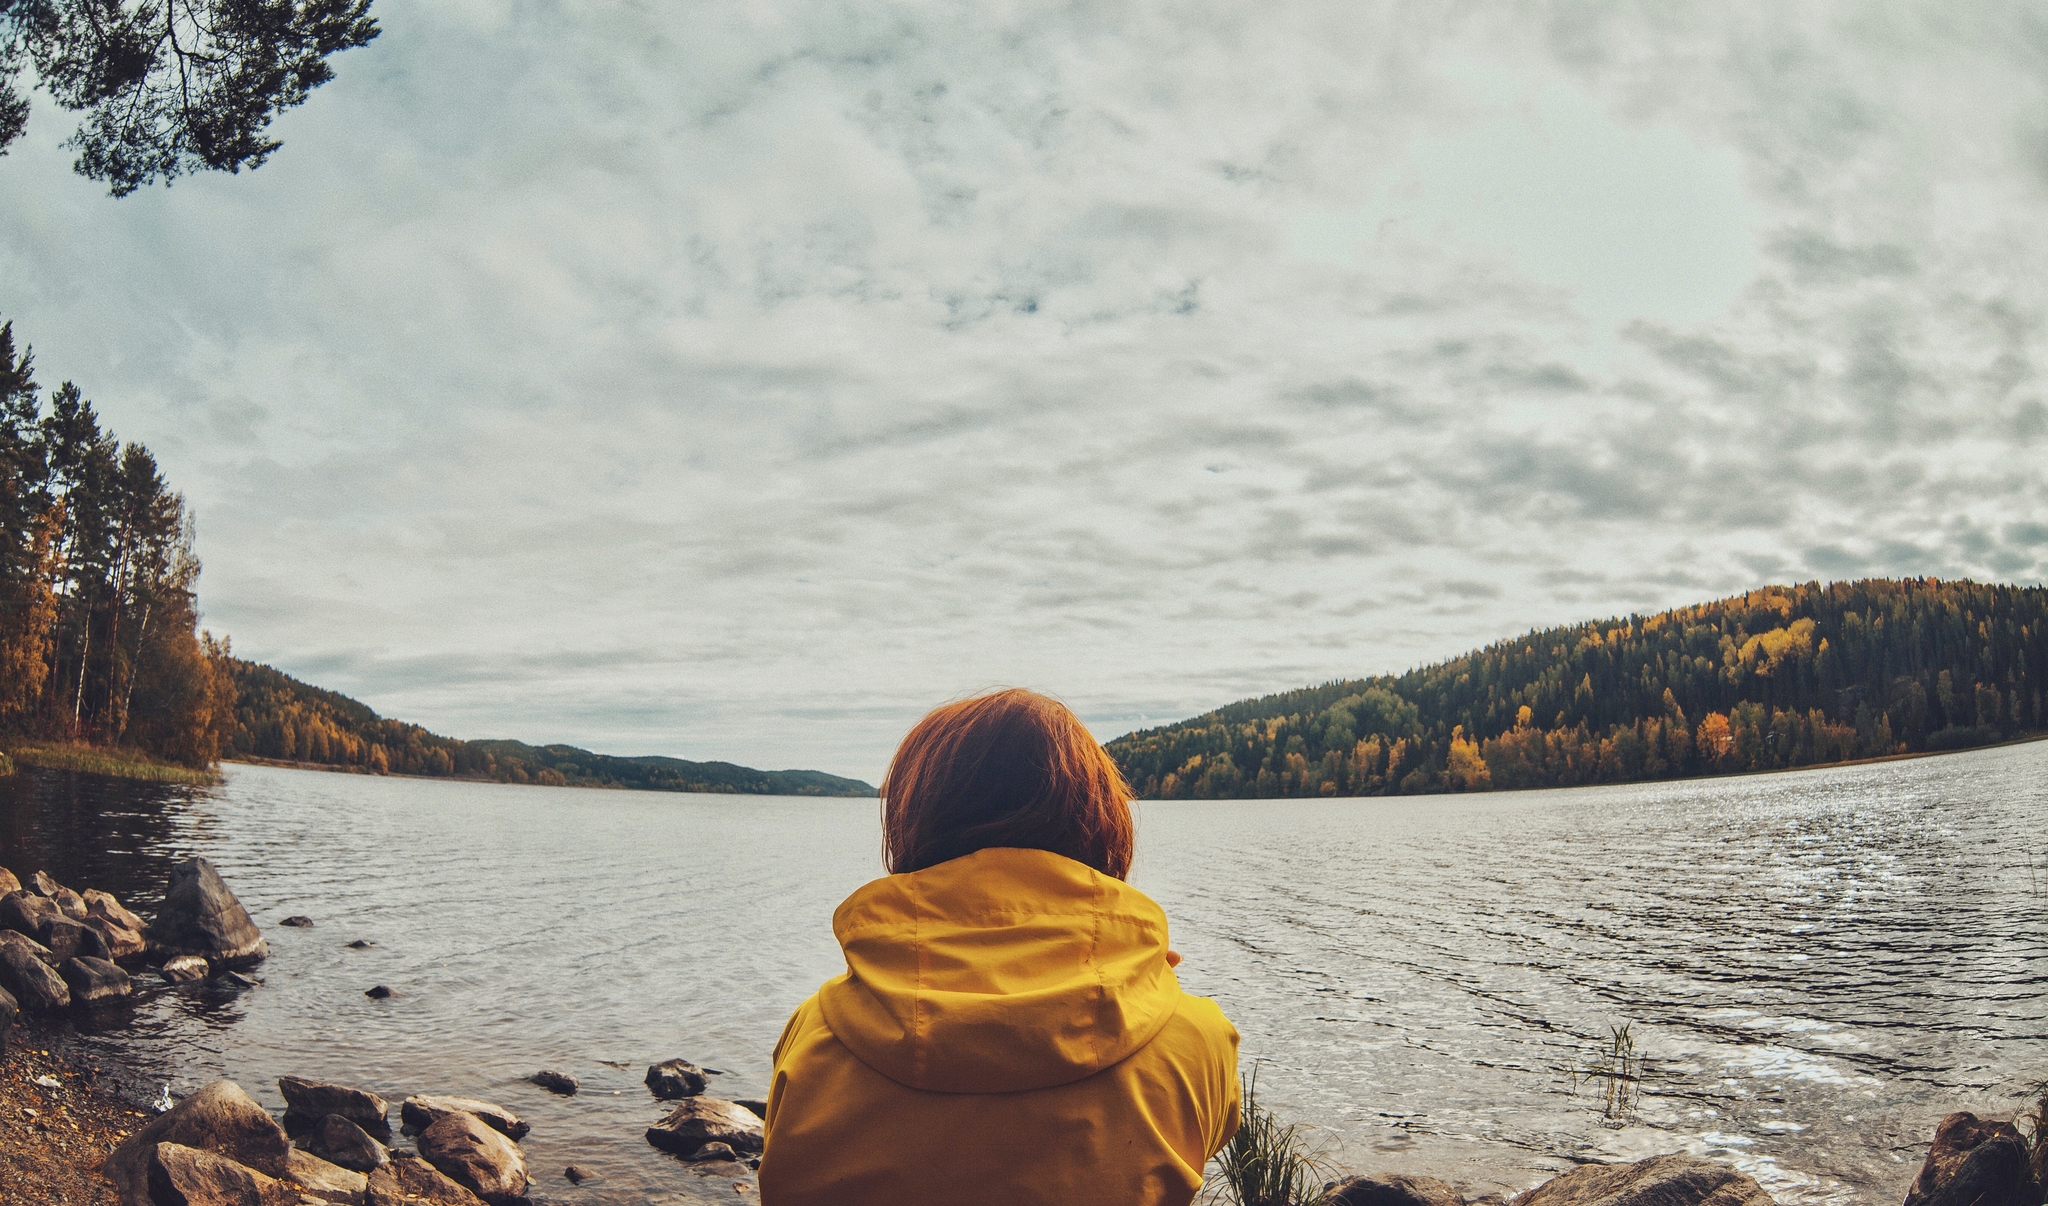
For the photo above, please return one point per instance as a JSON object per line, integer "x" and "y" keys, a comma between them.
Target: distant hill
{"x": 278, "y": 718}
{"x": 1779, "y": 677}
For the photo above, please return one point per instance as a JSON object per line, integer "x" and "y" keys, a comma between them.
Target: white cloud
{"x": 739, "y": 380}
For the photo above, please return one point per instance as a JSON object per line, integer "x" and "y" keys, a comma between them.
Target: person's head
{"x": 1011, "y": 768}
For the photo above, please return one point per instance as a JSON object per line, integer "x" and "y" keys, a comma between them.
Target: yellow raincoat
{"x": 1009, "y": 1030}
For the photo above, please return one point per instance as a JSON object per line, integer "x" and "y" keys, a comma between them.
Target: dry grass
{"x": 119, "y": 763}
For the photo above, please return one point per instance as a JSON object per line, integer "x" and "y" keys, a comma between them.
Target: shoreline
{"x": 111, "y": 761}
{"x": 54, "y": 1141}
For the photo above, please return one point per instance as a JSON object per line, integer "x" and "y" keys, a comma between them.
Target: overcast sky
{"x": 741, "y": 380}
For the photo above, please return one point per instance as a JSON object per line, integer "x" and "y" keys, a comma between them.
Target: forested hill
{"x": 1779, "y": 677}
{"x": 278, "y": 717}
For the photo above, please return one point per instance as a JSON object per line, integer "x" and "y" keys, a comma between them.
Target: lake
{"x": 1816, "y": 966}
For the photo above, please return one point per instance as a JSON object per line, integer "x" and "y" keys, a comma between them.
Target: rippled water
{"x": 1817, "y": 965}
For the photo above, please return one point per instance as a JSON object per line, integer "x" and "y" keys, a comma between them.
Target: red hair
{"x": 1011, "y": 768}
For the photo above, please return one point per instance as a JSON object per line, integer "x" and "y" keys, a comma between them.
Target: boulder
{"x": 1390, "y": 1189}
{"x": 475, "y": 1157}
{"x": 8, "y": 1008}
{"x": 756, "y": 1106}
{"x": 200, "y": 916}
{"x": 188, "y": 1176}
{"x": 183, "y": 969}
{"x": 219, "y": 1118}
{"x": 121, "y": 942}
{"x": 339, "y": 1141}
{"x": 675, "y": 1078}
{"x": 31, "y": 981}
{"x": 93, "y": 980}
{"x": 555, "y": 1082}
{"x": 701, "y": 1120}
{"x": 69, "y": 903}
{"x": 7, "y": 882}
{"x": 328, "y": 1182}
{"x": 1673, "y": 1180}
{"x": 66, "y": 937}
{"x": 411, "y": 1181}
{"x": 419, "y": 1113}
{"x": 313, "y": 1100}
{"x": 43, "y": 885}
{"x": 1975, "y": 1162}
{"x": 26, "y": 913}
{"x": 103, "y": 904}
{"x": 26, "y": 943}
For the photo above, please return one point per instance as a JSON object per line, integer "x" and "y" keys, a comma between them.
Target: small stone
{"x": 577, "y": 1174}
{"x": 673, "y": 1079}
{"x": 713, "y": 1151}
{"x": 377, "y": 993}
{"x": 42, "y": 885}
{"x": 555, "y": 1082}
{"x": 184, "y": 969}
{"x": 361, "y": 944}
{"x": 7, "y": 882}
{"x": 754, "y": 1106}
{"x": 239, "y": 980}
{"x": 297, "y": 921}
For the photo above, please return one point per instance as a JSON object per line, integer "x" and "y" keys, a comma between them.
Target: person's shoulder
{"x": 808, "y": 1019}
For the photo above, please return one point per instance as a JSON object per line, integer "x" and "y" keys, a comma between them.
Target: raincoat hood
{"x": 997, "y": 972}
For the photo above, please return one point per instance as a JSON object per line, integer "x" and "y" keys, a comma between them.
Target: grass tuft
{"x": 1618, "y": 1067}
{"x": 118, "y": 763}
{"x": 1267, "y": 1163}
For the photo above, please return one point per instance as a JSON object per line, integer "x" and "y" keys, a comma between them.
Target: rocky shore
{"x": 68, "y": 1139}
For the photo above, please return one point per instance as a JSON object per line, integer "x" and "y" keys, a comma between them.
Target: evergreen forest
{"x": 99, "y": 638}
{"x": 1779, "y": 677}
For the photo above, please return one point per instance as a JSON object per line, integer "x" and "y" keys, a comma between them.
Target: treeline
{"x": 279, "y": 718}
{"x": 98, "y": 622}
{"x": 1779, "y": 677}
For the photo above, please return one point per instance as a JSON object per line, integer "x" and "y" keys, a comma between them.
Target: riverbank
{"x": 103, "y": 760}
{"x": 60, "y": 1115}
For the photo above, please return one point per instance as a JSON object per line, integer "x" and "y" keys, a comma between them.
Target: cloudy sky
{"x": 739, "y": 380}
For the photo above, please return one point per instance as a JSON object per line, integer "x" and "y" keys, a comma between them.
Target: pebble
{"x": 378, "y": 993}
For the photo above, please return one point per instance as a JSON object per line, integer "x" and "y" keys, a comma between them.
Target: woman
{"x": 1009, "y": 1028}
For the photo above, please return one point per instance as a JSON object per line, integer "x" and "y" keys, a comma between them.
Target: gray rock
{"x": 66, "y": 936}
{"x": 578, "y": 1175}
{"x": 26, "y": 913}
{"x": 555, "y": 1082}
{"x": 1975, "y": 1161}
{"x": 200, "y": 916}
{"x": 326, "y": 1181}
{"x": 411, "y": 1181}
{"x": 475, "y": 1157}
{"x": 7, "y": 882}
{"x": 378, "y": 992}
{"x": 713, "y": 1151}
{"x": 188, "y": 1176}
{"x": 121, "y": 942}
{"x": 31, "y": 981}
{"x": 26, "y": 943}
{"x": 297, "y": 921}
{"x": 697, "y": 1121}
{"x": 756, "y": 1106}
{"x": 1673, "y": 1180}
{"x": 420, "y": 1112}
{"x": 103, "y": 904}
{"x": 183, "y": 969}
{"x": 675, "y": 1078}
{"x": 339, "y": 1141}
{"x": 1389, "y": 1189}
{"x": 93, "y": 980}
{"x": 43, "y": 885}
{"x": 219, "y": 1118}
{"x": 69, "y": 903}
{"x": 313, "y": 1100}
